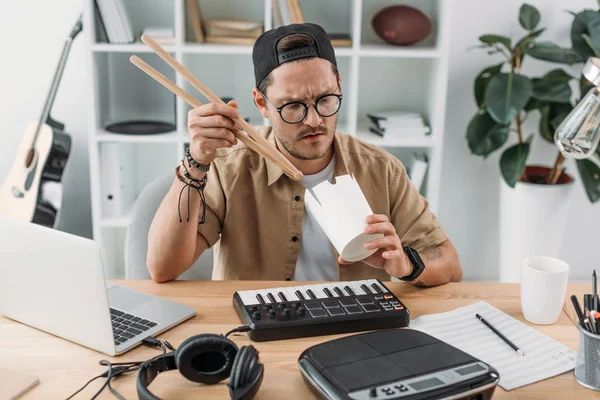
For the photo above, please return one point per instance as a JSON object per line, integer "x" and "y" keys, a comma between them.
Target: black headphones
{"x": 207, "y": 359}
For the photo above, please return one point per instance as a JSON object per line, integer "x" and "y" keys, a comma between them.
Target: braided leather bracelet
{"x": 199, "y": 185}
{"x": 194, "y": 163}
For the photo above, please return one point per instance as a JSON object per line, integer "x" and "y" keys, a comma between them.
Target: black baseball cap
{"x": 264, "y": 53}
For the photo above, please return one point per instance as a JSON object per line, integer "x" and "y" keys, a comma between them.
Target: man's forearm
{"x": 171, "y": 244}
{"x": 441, "y": 266}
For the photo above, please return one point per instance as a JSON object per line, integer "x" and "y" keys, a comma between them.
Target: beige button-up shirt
{"x": 254, "y": 211}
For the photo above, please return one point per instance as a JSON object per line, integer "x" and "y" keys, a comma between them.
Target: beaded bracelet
{"x": 194, "y": 163}
{"x": 199, "y": 185}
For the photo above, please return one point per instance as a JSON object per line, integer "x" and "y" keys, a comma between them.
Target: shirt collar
{"x": 274, "y": 172}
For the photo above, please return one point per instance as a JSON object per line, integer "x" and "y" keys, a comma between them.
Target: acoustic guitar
{"x": 32, "y": 191}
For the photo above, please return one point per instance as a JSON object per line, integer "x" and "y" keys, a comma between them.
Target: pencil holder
{"x": 587, "y": 364}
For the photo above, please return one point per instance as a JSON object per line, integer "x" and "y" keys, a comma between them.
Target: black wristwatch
{"x": 418, "y": 265}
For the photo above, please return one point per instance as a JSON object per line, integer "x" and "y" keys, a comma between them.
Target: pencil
{"x": 497, "y": 332}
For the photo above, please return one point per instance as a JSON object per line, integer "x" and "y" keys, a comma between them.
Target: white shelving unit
{"x": 375, "y": 77}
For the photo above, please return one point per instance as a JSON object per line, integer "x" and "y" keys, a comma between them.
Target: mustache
{"x": 308, "y": 132}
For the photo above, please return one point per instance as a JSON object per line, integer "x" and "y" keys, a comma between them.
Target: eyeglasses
{"x": 295, "y": 111}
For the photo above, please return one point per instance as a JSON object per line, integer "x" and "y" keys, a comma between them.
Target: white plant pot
{"x": 533, "y": 219}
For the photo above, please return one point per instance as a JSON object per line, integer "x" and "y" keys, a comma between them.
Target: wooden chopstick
{"x": 166, "y": 82}
{"x": 202, "y": 88}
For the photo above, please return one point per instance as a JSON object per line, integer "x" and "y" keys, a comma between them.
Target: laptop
{"x": 54, "y": 281}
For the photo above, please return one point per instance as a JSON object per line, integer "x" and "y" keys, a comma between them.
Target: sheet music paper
{"x": 544, "y": 357}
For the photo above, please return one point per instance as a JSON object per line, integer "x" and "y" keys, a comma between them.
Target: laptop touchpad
{"x": 125, "y": 299}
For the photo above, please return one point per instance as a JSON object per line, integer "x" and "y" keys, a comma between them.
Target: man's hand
{"x": 211, "y": 127}
{"x": 389, "y": 255}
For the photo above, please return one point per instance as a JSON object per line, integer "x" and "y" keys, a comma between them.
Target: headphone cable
{"x": 122, "y": 368}
{"x": 243, "y": 328}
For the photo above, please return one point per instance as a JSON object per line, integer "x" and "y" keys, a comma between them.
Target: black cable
{"x": 243, "y": 328}
{"x": 122, "y": 368}
{"x": 84, "y": 386}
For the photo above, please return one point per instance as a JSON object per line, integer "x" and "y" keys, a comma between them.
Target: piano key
{"x": 366, "y": 289}
{"x": 263, "y": 294}
{"x": 271, "y": 297}
{"x": 300, "y": 295}
{"x": 260, "y": 298}
{"x": 357, "y": 289}
{"x": 340, "y": 286}
{"x": 282, "y": 296}
{"x": 311, "y": 294}
{"x": 318, "y": 291}
{"x": 328, "y": 292}
{"x": 248, "y": 297}
{"x": 275, "y": 293}
{"x": 367, "y": 283}
{"x": 330, "y": 286}
{"x": 349, "y": 290}
{"x": 289, "y": 293}
{"x": 303, "y": 289}
{"x": 377, "y": 285}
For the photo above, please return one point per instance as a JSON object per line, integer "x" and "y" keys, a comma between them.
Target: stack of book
{"x": 116, "y": 21}
{"x": 221, "y": 31}
{"x": 400, "y": 123}
{"x": 287, "y": 12}
{"x": 161, "y": 35}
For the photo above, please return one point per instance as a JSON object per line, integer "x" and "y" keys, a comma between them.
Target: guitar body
{"x": 32, "y": 191}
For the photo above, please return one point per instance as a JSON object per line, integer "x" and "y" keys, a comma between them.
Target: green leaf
{"x": 553, "y": 87}
{"x": 549, "y": 51}
{"x": 559, "y": 75}
{"x": 552, "y": 114}
{"x": 482, "y": 80}
{"x": 591, "y": 44}
{"x": 506, "y": 95}
{"x": 484, "y": 135}
{"x": 532, "y": 104}
{"x": 529, "y": 16}
{"x": 493, "y": 39}
{"x": 524, "y": 44}
{"x": 545, "y": 123}
{"x": 558, "y": 112}
{"x": 590, "y": 176}
{"x": 512, "y": 163}
{"x": 553, "y": 91}
{"x": 581, "y": 25}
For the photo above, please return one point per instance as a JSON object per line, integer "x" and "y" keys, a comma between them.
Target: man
{"x": 256, "y": 214}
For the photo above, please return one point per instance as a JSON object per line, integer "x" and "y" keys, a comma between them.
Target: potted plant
{"x": 534, "y": 198}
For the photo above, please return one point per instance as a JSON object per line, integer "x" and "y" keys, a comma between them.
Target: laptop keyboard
{"x": 126, "y": 326}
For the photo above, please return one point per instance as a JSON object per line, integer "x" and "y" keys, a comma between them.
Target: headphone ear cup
{"x": 246, "y": 370}
{"x": 206, "y": 358}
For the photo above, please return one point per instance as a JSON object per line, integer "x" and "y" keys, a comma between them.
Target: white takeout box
{"x": 341, "y": 210}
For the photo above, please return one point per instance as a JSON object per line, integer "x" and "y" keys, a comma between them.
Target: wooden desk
{"x": 64, "y": 367}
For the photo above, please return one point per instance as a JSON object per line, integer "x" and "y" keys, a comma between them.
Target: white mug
{"x": 543, "y": 289}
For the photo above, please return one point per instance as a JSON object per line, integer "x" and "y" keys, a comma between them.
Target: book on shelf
{"x": 340, "y": 39}
{"x": 116, "y": 21}
{"x": 286, "y": 12}
{"x": 417, "y": 170}
{"x": 194, "y": 15}
{"x": 235, "y": 41}
{"x": 398, "y": 123}
{"x": 233, "y": 28}
{"x": 161, "y": 35}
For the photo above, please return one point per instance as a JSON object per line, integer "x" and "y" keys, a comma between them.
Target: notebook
{"x": 14, "y": 384}
{"x": 544, "y": 357}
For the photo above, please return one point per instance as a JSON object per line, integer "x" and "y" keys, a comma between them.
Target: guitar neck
{"x": 56, "y": 80}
